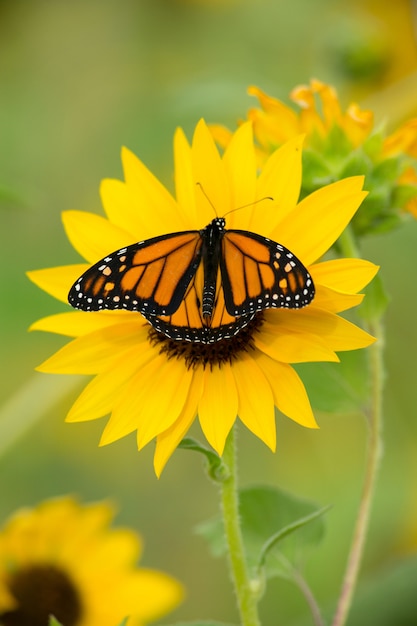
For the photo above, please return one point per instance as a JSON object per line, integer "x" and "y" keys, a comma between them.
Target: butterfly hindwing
{"x": 187, "y": 323}
{"x": 150, "y": 277}
{"x": 258, "y": 273}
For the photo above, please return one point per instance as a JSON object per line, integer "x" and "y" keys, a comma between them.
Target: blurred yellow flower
{"x": 320, "y": 111}
{"x": 62, "y": 558}
{"x": 157, "y": 386}
{"x": 338, "y": 143}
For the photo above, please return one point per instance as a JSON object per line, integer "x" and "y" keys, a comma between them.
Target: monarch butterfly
{"x": 197, "y": 285}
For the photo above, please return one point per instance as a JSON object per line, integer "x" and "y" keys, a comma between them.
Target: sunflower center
{"x": 41, "y": 591}
{"x": 208, "y": 354}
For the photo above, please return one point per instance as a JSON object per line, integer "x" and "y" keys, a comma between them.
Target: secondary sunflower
{"x": 340, "y": 142}
{"x": 152, "y": 386}
{"x": 61, "y": 558}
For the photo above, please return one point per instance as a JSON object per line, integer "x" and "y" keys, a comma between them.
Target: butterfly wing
{"x": 151, "y": 277}
{"x": 187, "y": 323}
{"x": 258, "y": 273}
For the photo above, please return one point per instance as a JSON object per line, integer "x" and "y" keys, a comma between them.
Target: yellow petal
{"x": 185, "y": 187}
{"x": 101, "y": 395}
{"x": 290, "y": 396}
{"x": 347, "y": 275}
{"x": 164, "y": 399}
{"x": 57, "y": 281}
{"x": 156, "y": 203}
{"x": 77, "y": 323}
{"x": 288, "y": 346}
{"x": 123, "y": 210}
{"x": 336, "y": 332}
{"x": 275, "y": 124}
{"x": 218, "y": 405}
{"x": 221, "y": 134}
{"x": 151, "y": 402}
{"x": 92, "y": 353}
{"x": 346, "y": 336}
{"x": 149, "y": 594}
{"x": 256, "y": 401}
{"x": 334, "y": 301}
{"x": 240, "y": 163}
{"x": 213, "y": 192}
{"x": 168, "y": 441}
{"x": 93, "y": 236}
{"x": 329, "y": 101}
{"x": 280, "y": 179}
{"x": 318, "y": 220}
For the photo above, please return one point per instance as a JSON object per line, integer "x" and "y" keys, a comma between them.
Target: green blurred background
{"x": 77, "y": 81}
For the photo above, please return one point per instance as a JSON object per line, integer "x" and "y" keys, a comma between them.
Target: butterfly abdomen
{"x": 211, "y": 249}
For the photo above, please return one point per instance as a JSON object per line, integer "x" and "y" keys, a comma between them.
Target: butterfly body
{"x": 197, "y": 285}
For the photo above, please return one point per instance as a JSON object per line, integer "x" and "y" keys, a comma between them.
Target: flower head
{"x": 340, "y": 143}
{"x": 62, "y": 558}
{"x": 156, "y": 386}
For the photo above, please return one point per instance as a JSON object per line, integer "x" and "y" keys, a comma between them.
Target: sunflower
{"x": 153, "y": 385}
{"x": 319, "y": 114}
{"x": 61, "y": 558}
{"x": 340, "y": 142}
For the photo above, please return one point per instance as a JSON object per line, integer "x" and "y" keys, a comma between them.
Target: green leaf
{"x": 124, "y": 622}
{"x": 277, "y": 529}
{"x": 53, "y": 621}
{"x": 217, "y": 470}
{"x": 273, "y": 541}
{"x": 337, "y": 387}
{"x": 388, "y": 598}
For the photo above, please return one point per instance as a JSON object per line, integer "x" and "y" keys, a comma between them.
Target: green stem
{"x": 309, "y": 597}
{"x": 374, "y": 449}
{"x": 246, "y": 598}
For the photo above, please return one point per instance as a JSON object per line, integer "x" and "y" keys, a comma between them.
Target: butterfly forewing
{"x": 258, "y": 273}
{"x": 171, "y": 279}
{"x": 150, "y": 277}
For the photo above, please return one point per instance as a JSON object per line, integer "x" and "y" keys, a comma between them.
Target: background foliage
{"x": 79, "y": 80}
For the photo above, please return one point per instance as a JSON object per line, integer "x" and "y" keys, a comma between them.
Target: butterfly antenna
{"x": 244, "y": 206}
{"x": 207, "y": 198}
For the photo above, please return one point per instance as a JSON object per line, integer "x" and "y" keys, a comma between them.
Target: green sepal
{"x": 358, "y": 163}
{"x": 316, "y": 172}
{"x": 373, "y": 144}
{"x": 337, "y": 387}
{"x": 402, "y": 194}
{"x": 277, "y": 528}
{"x": 124, "y": 622}
{"x": 375, "y": 302}
{"x": 336, "y": 147}
{"x": 53, "y": 621}
{"x": 216, "y": 468}
{"x": 387, "y": 171}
